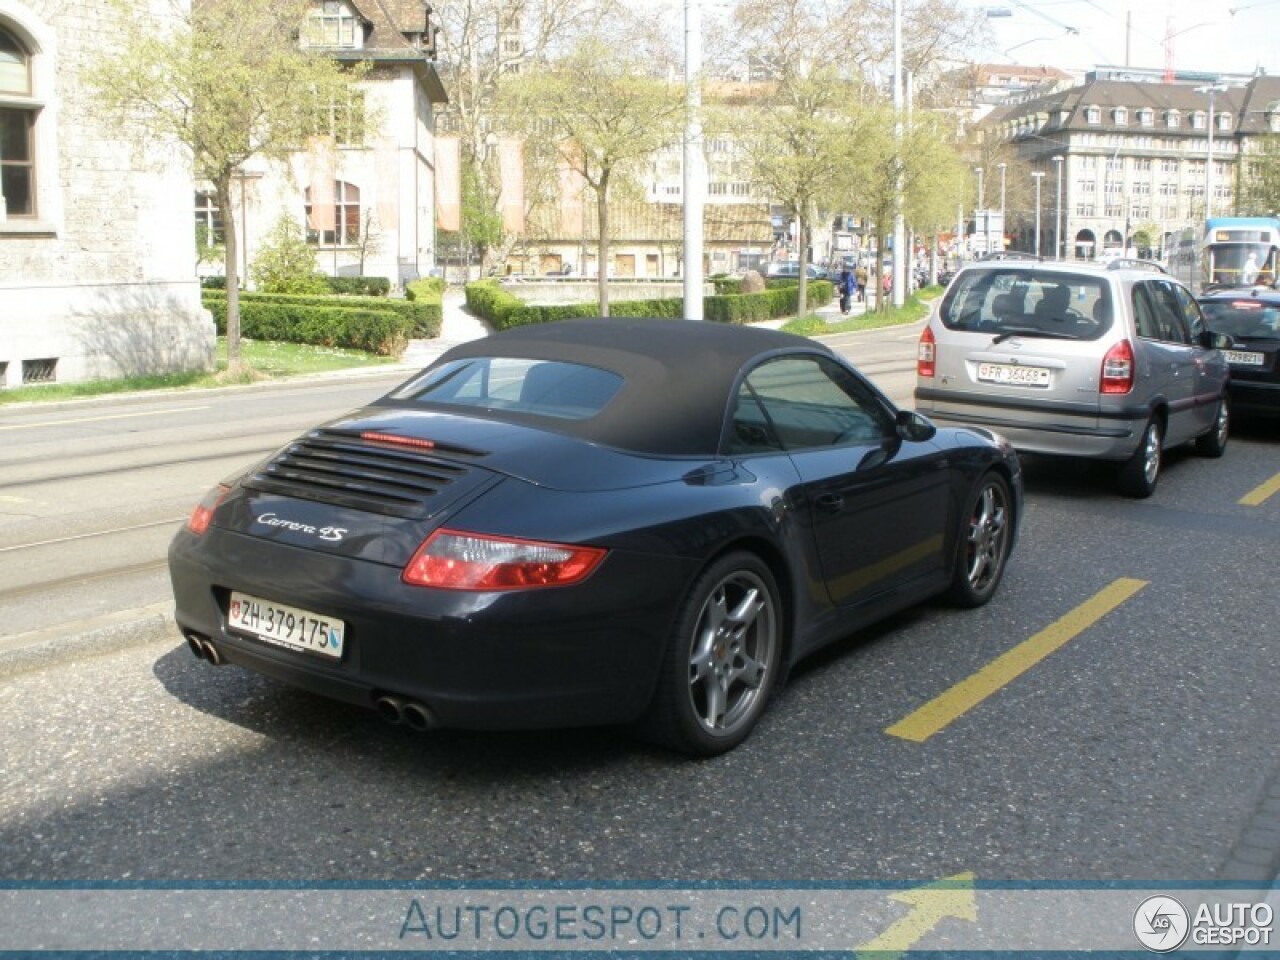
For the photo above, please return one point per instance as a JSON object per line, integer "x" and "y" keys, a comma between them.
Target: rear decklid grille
{"x": 376, "y": 474}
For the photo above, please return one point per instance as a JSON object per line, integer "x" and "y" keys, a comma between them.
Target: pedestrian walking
{"x": 860, "y": 277}
{"x": 846, "y": 285}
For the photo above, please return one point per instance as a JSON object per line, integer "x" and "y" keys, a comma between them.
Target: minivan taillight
{"x": 926, "y": 352}
{"x": 1117, "y": 369}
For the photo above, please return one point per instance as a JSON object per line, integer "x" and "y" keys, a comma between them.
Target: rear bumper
{"x": 1041, "y": 429}
{"x": 572, "y": 656}
{"x": 1255, "y": 396}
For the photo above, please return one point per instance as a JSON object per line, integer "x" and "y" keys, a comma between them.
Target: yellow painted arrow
{"x": 948, "y": 898}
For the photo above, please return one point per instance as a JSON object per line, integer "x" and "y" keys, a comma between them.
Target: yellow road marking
{"x": 114, "y": 416}
{"x": 950, "y": 898}
{"x": 935, "y": 715}
{"x": 1258, "y": 495}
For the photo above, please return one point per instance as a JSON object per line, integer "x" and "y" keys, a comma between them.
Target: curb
{"x": 108, "y": 633}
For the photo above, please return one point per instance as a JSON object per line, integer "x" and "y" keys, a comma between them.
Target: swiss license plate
{"x": 286, "y": 626}
{"x": 1244, "y": 358}
{"x": 1013, "y": 374}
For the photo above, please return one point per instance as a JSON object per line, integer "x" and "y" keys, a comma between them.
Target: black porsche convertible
{"x": 615, "y": 521}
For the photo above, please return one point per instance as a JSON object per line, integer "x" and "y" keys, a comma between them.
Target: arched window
{"x": 333, "y": 220}
{"x": 17, "y": 126}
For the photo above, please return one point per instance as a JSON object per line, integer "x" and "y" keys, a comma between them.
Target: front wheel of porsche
{"x": 721, "y": 661}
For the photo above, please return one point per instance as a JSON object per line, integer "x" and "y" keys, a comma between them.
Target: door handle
{"x": 831, "y": 502}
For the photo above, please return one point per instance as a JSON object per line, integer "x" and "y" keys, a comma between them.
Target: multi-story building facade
{"x": 365, "y": 190}
{"x": 97, "y": 255}
{"x": 1134, "y": 157}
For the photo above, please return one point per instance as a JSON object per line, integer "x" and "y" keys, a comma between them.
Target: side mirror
{"x": 1216, "y": 341}
{"x": 915, "y": 427}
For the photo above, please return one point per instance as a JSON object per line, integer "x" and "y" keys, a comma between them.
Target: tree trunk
{"x": 231, "y": 267}
{"x": 602, "y": 242}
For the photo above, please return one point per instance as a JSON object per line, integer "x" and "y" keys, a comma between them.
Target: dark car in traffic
{"x": 1251, "y": 318}
{"x": 611, "y": 521}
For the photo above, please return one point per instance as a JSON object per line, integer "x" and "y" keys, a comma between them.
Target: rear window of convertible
{"x": 548, "y": 388}
{"x": 1002, "y": 301}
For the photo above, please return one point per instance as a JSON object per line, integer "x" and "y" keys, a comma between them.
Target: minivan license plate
{"x": 286, "y": 626}
{"x": 1013, "y": 374}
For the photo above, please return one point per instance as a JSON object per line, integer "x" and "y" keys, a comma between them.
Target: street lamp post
{"x": 1038, "y": 175}
{"x": 978, "y": 171}
{"x": 1058, "y": 253}
{"x": 1002, "y": 227}
{"x": 1210, "y": 89}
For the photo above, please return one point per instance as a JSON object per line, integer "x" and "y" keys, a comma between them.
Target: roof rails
{"x": 1010, "y": 255}
{"x": 1134, "y": 263}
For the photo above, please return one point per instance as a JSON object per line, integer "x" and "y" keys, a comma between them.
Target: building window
{"x": 1093, "y": 115}
{"x": 1198, "y": 120}
{"x": 1142, "y": 165}
{"x": 17, "y": 127}
{"x": 1172, "y": 119}
{"x": 334, "y": 220}
{"x": 208, "y": 219}
{"x": 1168, "y": 166}
{"x": 1146, "y": 117}
{"x": 1273, "y": 121}
{"x": 1120, "y": 116}
{"x": 332, "y": 24}
{"x": 1088, "y": 187}
{"x": 343, "y": 121}
{"x": 1223, "y": 120}
{"x": 1084, "y": 210}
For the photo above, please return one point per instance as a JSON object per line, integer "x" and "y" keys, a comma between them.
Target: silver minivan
{"x": 1111, "y": 362}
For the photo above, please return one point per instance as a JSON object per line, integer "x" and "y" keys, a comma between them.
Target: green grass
{"x": 264, "y": 359}
{"x": 916, "y": 308}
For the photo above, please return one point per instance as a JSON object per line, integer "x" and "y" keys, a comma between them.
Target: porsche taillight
{"x": 1117, "y": 369}
{"x": 457, "y": 560}
{"x": 926, "y": 354}
{"x": 202, "y": 515}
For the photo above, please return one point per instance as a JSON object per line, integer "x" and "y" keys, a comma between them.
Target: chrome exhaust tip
{"x": 390, "y": 709}
{"x": 419, "y": 717}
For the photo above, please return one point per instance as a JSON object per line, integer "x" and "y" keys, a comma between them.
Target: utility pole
{"x": 695, "y": 176}
{"x": 1039, "y": 175}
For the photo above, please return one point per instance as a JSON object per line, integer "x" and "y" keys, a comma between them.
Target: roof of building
{"x": 742, "y": 224}
{"x": 1066, "y": 109}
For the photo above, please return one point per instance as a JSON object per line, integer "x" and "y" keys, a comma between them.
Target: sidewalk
{"x": 459, "y": 326}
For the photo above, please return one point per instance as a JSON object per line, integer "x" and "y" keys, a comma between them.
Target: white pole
{"x": 1038, "y": 174}
{"x": 695, "y": 175}
{"x": 899, "y": 221}
{"x": 1058, "y": 252}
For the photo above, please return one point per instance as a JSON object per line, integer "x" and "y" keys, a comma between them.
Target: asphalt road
{"x": 1143, "y": 747}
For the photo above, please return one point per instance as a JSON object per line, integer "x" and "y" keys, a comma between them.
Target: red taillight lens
{"x": 202, "y": 515}
{"x": 1117, "y": 369}
{"x": 455, "y": 560}
{"x": 926, "y": 353}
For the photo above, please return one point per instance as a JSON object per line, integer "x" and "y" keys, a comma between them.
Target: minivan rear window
{"x": 1004, "y": 301}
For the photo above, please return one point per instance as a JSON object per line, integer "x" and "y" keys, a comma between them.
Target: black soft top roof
{"x": 678, "y": 375}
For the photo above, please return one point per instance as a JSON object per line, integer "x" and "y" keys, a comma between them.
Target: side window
{"x": 1169, "y": 321}
{"x": 1144, "y": 313}
{"x": 811, "y": 402}
{"x": 1191, "y": 315}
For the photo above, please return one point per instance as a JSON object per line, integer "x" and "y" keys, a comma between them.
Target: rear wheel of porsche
{"x": 721, "y": 661}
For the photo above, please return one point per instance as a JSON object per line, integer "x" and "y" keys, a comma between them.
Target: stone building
{"x": 97, "y": 254}
{"x": 1134, "y": 154}
{"x": 366, "y": 196}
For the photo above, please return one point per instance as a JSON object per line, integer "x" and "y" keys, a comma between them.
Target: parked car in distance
{"x": 1251, "y": 318}
{"x": 618, "y": 521}
{"x": 1110, "y": 362}
{"x": 791, "y": 268}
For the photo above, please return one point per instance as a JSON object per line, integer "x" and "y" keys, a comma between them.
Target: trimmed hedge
{"x": 424, "y": 317}
{"x": 359, "y": 286}
{"x": 427, "y": 295}
{"x": 331, "y": 324}
{"x": 503, "y": 310}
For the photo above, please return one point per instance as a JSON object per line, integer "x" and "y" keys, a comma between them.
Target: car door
{"x": 877, "y": 505}
{"x": 1211, "y": 367}
{"x": 1165, "y": 364}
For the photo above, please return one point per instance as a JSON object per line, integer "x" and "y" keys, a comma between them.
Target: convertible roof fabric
{"x": 680, "y": 375}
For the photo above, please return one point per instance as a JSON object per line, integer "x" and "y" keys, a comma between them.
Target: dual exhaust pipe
{"x": 205, "y": 650}
{"x": 395, "y": 710}
{"x": 414, "y": 715}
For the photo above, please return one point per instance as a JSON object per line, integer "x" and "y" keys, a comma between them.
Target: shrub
{"x": 383, "y": 332}
{"x": 424, "y": 317}
{"x": 359, "y": 286}
{"x": 286, "y": 263}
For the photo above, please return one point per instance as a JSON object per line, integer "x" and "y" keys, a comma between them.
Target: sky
{"x": 1208, "y": 35}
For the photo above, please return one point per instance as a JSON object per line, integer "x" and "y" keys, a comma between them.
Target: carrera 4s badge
{"x": 324, "y": 533}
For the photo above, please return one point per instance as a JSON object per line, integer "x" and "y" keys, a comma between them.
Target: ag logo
{"x": 1161, "y": 924}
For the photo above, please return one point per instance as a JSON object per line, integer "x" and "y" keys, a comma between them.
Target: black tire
{"x": 1214, "y": 443}
{"x": 985, "y": 541}
{"x": 1140, "y": 473}
{"x": 722, "y": 659}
